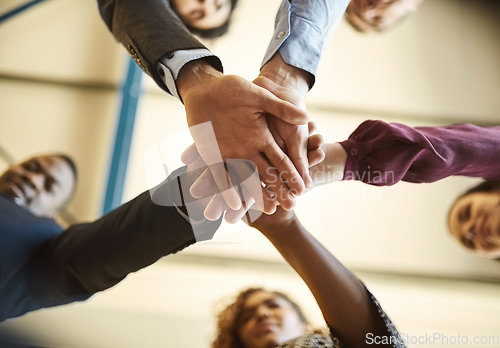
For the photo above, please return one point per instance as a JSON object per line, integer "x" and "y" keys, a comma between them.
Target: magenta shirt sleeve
{"x": 382, "y": 154}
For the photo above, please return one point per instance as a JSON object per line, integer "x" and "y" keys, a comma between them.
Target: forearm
{"x": 87, "y": 258}
{"x": 382, "y": 154}
{"x": 343, "y": 300}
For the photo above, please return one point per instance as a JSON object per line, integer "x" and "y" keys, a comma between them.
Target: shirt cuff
{"x": 302, "y": 30}
{"x": 281, "y": 31}
{"x": 170, "y": 65}
{"x": 354, "y": 155}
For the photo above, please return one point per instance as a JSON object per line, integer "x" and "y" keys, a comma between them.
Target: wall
{"x": 60, "y": 72}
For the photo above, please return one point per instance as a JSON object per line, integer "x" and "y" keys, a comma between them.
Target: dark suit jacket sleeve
{"x": 87, "y": 258}
{"x": 148, "y": 29}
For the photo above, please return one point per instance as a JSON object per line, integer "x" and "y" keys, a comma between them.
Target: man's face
{"x": 203, "y": 14}
{"x": 41, "y": 184}
{"x": 379, "y": 15}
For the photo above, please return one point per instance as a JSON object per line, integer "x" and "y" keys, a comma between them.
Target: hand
{"x": 245, "y": 175}
{"x": 292, "y": 140}
{"x": 315, "y": 156}
{"x": 281, "y": 220}
{"x": 244, "y": 178}
{"x": 291, "y": 84}
{"x": 315, "y": 152}
{"x": 275, "y": 223}
{"x": 198, "y": 205}
{"x": 236, "y": 109}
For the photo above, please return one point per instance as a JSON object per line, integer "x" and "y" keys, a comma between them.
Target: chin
{"x": 269, "y": 342}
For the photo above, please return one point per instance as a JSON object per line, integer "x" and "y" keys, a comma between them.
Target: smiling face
{"x": 379, "y": 15}
{"x": 41, "y": 184}
{"x": 203, "y": 14}
{"x": 474, "y": 221}
{"x": 267, "y": 320}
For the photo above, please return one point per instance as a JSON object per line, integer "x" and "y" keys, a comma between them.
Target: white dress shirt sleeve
{"x": 302, "y": 30}
{"x": 170, "y": 65}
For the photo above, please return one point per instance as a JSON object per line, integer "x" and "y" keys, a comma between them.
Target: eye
{"x": 49, "y": 184}
{"x": 31, "y": 167}
{"x": 465, "y": 214}
{"x": 273, "y": 305}
{"x": 245, "y": 317}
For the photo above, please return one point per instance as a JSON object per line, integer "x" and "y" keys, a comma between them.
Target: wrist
{"x": 284, "y": 74}
{"x": 195, "y": 74}
{"x": 283, "y": 228}
{"x": 331, "y": 169}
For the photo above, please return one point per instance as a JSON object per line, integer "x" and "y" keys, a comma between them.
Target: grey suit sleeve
{"x": 149, "y": 30}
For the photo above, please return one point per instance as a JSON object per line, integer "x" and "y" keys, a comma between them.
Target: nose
{"x": 263, "y": 312}
{"x": 210, "y": 6}
{"x": 372, "y": 11}
{"x": 35, "y": 180}
{"x": 373, "y": 16}
{"x": 471, "y": 233}
{"x": 472, "y": 230}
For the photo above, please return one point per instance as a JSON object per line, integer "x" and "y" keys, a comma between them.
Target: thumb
{"x": 284, "y": 110}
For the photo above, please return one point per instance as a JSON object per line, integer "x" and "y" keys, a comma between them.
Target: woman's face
{"x": 268, "y": 320}
{"x": 203, "y": 14}
{"x": 475, "y": 222}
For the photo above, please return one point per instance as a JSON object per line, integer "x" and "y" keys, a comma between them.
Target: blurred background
{"x": 61, "y": 80}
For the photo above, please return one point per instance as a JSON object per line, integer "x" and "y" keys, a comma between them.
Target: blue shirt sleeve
{"x": 302, "y": 30}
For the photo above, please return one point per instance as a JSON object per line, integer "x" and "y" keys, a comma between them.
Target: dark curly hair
{"x": 228, "y": 319}
{"x": 485, "y": 186}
